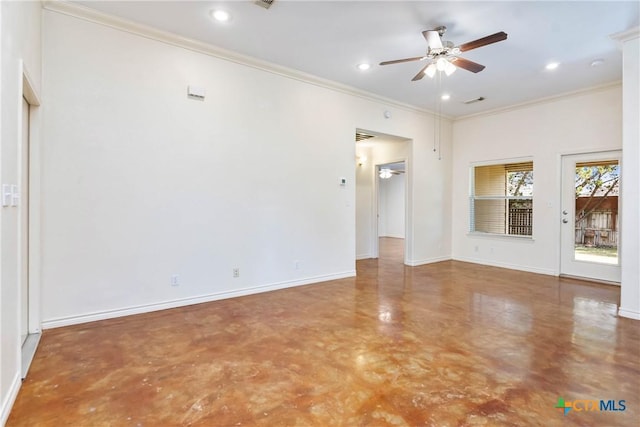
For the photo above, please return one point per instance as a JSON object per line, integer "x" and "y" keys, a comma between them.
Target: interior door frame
{"x": 29, "y": 92}
{"x": 602, "y": 153}
{"x": 375, "y": 247}
{"x": 23, "y": 218}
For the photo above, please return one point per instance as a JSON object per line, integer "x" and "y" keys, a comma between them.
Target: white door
{"x": 590, "y": 225}
{"x": 24, "y": 223}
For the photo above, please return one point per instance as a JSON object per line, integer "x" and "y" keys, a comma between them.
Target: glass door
{"x": 590, "y": 221}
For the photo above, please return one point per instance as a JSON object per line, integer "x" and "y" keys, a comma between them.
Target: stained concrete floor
{"x": 446, "y": 344}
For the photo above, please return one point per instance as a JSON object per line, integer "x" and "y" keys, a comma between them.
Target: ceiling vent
{"x": 361, "y": 136}
{"x": 264, "y": 3}
{"x": 474, "y": 100}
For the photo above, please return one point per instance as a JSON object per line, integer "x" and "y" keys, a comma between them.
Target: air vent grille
{"x": 474, "y": 100}
{"x": 264, "y": 3}
{"x": 361, "y": 136}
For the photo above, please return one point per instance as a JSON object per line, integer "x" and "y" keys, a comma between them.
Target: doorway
{"x": 391, "y": 210}
{"x": 590, "y": 220}
{"x": 373, "y": 150}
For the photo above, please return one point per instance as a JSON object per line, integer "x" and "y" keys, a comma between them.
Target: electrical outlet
{"x": 175, "y": 280}
{"x": 296, "y": 265}
{"x": 236, "y": 272}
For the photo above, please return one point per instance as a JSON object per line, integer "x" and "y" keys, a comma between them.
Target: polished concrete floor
{"x": 447, "y": 344}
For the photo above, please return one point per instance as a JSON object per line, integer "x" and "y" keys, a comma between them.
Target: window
{"x": 502, "y": 199}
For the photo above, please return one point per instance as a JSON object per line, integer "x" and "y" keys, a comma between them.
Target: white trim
{"x": 28, "y": 352}
{"x": 363, "y": 256}
{"x": 545, "y": 271}
{"x": 509, "y": 237}
{"x": 147, "y": 308}
{"x": 101, "y": 18}
{"x": 625, "y": 36}
{"x": 30, "y": 93}
{"x": 12, "y": 394}
{"x": 393, "y": 236}
{"x": 630, "y": 314}
{"x": 544, "y": 100}
{"x": 415, "y": 263}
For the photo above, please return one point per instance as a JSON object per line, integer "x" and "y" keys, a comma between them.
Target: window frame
{"x": 507, "y": 164}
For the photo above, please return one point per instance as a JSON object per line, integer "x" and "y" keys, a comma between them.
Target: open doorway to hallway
{"x": 383, "y": 182}
{"x": 391, "y": 210}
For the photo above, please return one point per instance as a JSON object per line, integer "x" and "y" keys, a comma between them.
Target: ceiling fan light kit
{"x": 443, "y": 55}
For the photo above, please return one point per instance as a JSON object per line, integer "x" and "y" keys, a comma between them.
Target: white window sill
{"x": 512, "y": 237}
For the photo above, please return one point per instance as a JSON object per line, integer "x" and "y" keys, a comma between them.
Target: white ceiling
{"x": 329, "y": 38}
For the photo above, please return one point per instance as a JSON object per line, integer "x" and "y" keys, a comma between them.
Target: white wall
{"x": 21, "y": 50}
{"x": 630, "y": 242}
{"x": 140, "y": 183}
{"x": 589, "y": 121}
{"x": 391, "y": 206}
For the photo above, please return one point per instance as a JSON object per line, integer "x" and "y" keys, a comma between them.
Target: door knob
{"x": 565, "y": 220}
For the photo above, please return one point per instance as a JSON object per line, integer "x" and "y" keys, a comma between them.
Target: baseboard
{"x": 394, "y": 236}
{"x": 591, "y": 279}
{"x": 508, "y": 266}
{"x": 415, "y": 263}
{"x": 146, "y": 308}
{"x": 630, "y": 314}
{"x": 9, "y": 400}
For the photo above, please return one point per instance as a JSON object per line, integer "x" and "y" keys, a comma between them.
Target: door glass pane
{"x": 596, "y": 214}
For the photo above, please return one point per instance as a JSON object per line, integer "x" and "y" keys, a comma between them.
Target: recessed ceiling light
{"x": 597, "y": 62}
{"x": 363, "y": 67}
{"x": 445, "y": 97}
{"x": 220, "y": 15}
{"x": 552, "y": 66}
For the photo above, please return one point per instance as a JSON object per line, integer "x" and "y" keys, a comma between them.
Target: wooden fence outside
{"x": 521, "y": 221}
{"x": 598, "y": 229}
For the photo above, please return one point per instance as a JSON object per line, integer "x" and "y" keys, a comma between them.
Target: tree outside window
{"x": 502, "y": 199}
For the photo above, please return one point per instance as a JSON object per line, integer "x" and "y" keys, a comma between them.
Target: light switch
{"x": 343, "y": 182}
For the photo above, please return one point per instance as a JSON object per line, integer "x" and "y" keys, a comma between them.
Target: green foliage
{"x": 590, "y": 179}
{"x": 597, "y": 182}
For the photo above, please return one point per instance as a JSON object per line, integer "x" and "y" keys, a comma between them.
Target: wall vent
{"x": 264, "y": 3}
{"x": 361, "y": 136}
{"x": 474, "y": 100}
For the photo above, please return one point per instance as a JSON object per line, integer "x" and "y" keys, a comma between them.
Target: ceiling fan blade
{"x": 420, "y": 74}
{"x": 398, "y": 61}
{"x": 433, "y": 39}
{"x": 493, "y": 38}
{"x": 474, "y": 67}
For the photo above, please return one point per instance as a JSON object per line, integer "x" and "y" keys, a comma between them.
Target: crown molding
{"x": 540, "y": 101}
{"x": 625, "y": 36}
{"x": 91, "y": 15}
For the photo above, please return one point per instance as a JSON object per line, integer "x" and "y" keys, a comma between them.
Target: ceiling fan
{"x": 386, "y": 173}
{"x": 443, "y": 55}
